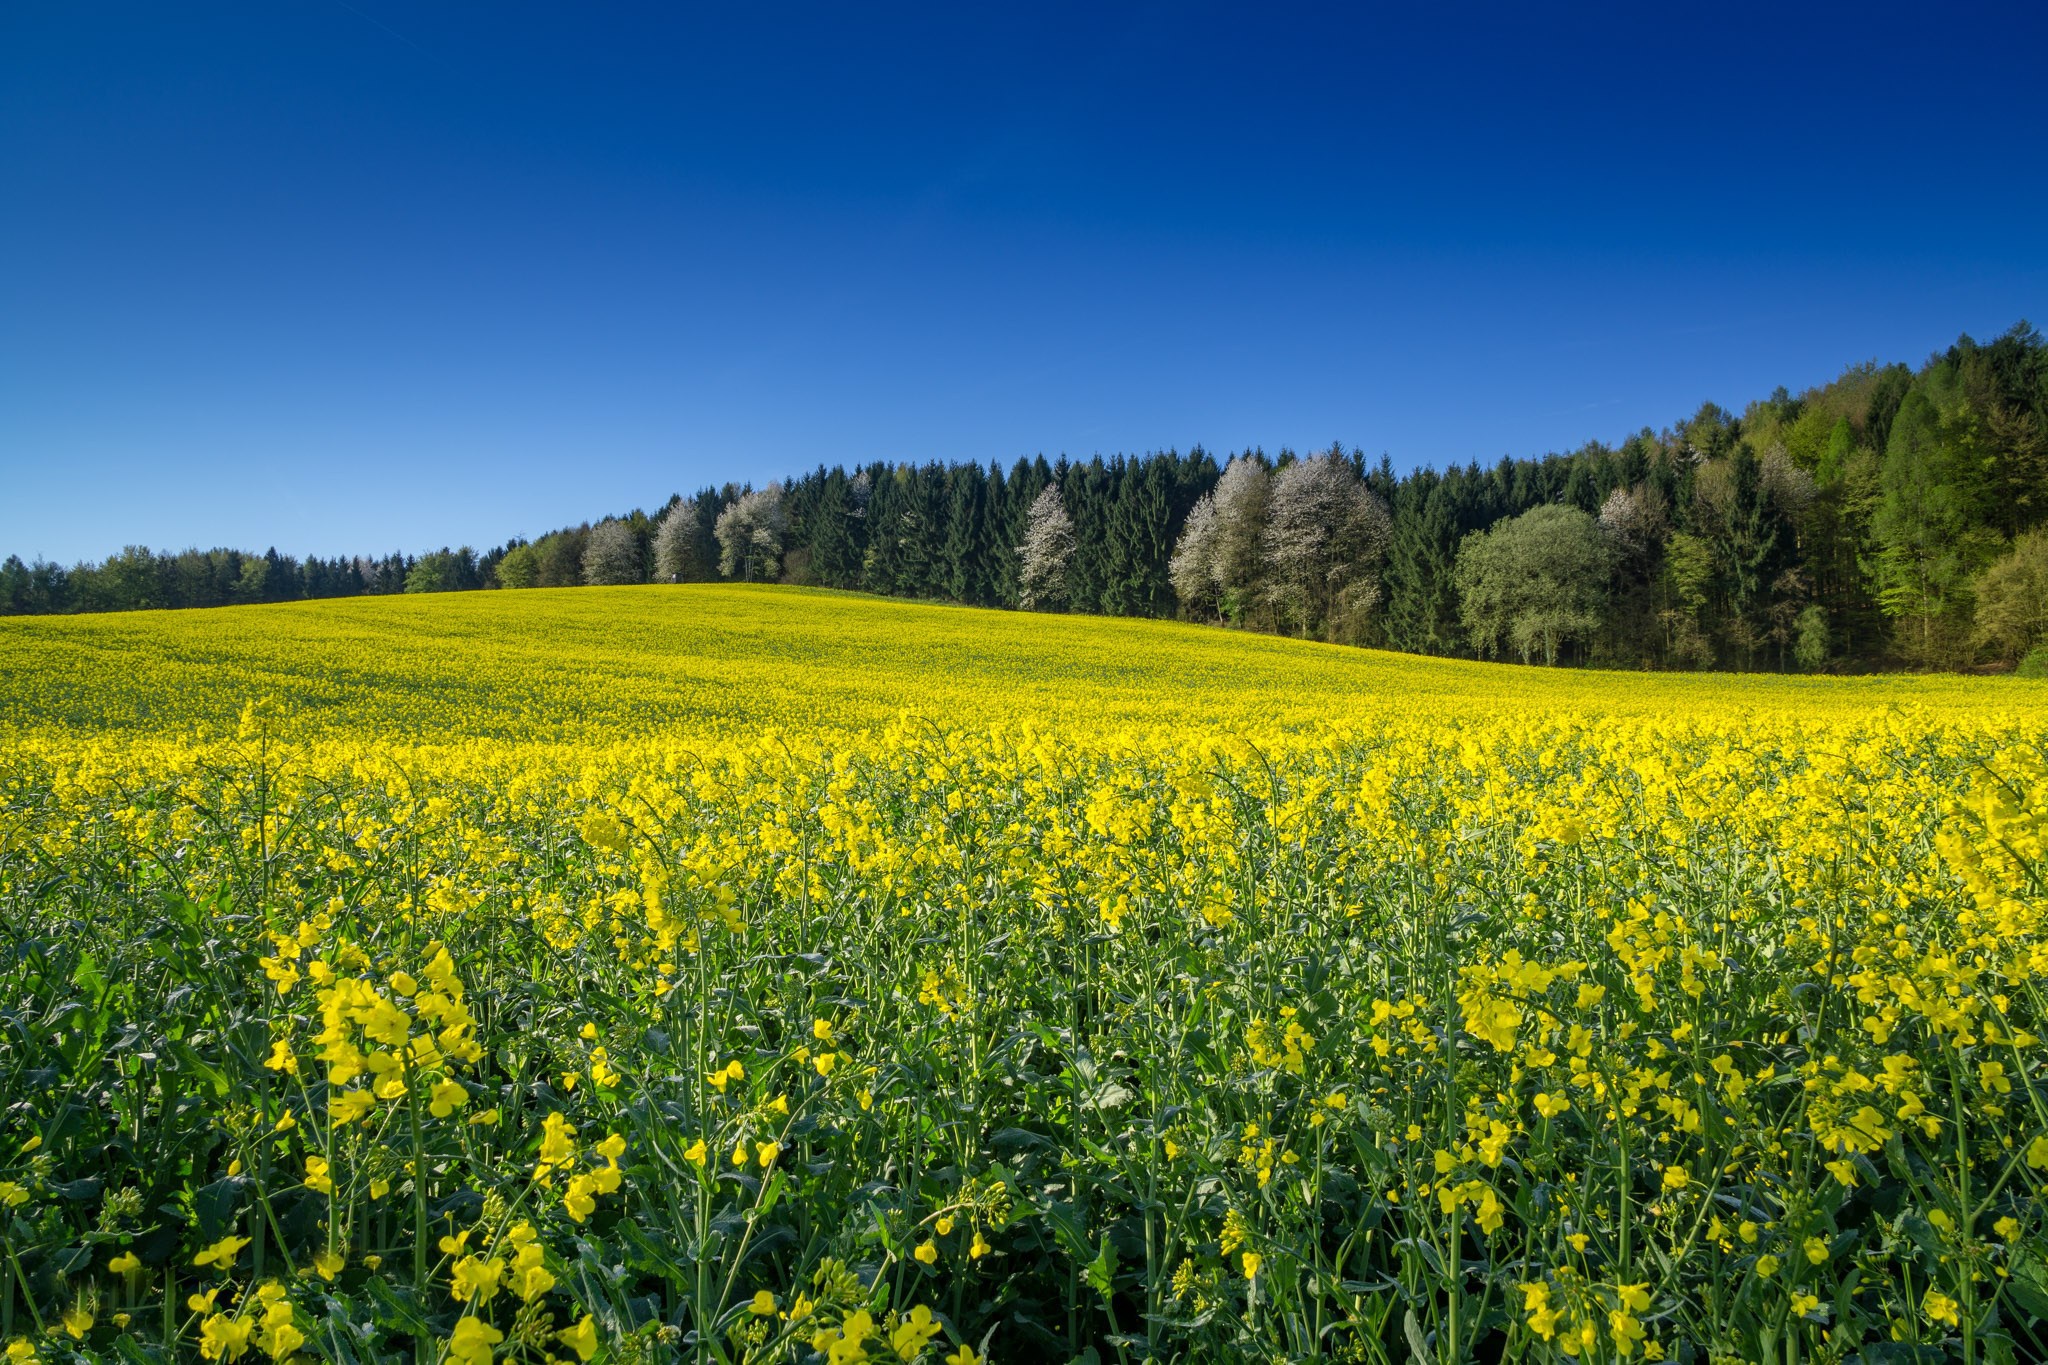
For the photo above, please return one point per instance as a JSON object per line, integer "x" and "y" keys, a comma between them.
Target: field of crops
{"x": 746, "y": 975}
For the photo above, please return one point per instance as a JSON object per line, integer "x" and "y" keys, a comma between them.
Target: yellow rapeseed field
{"x": 751, "y": 974}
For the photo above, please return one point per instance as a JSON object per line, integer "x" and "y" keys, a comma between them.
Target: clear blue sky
{"x": 366, "y": 276}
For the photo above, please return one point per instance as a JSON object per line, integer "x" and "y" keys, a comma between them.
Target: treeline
{"x": 1892, "y": 517}
{"x": 139, "y": 579}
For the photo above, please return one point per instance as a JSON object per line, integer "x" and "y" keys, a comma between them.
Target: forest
{"x": 1892, "y": 518}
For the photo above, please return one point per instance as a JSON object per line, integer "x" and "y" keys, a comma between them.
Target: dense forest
{"x": 1890, "y": 518}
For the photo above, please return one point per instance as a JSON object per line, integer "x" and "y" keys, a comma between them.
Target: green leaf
{"x": 1101, "y": 1271}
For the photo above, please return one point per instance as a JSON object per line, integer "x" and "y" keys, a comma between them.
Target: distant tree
{"x": 1930, "y": 520}
{"x": 1421, "y": 610}
{"x": 1045, "y": 558}
{"x": 966, "y": 570}
{"x": 444, "y": 570}
{"x": 1535, "y": 583}
{"x": 1326, "y": 533}
{"x": 1812, "y": 640}
{"x": 675, "y": 545}
{"x": 560, "y": 557}
{"x": 612, "y": 556}
{"x": 1241, "y": 496}
{"x": 1087, "y": 496}
{"x": 1026, "y": 480}
{"x": 1635, "y": 519}
{"x": 750, "y": 536}
{"x": 2012, "y": 600}
{"x": 838, "y": 529}
{"x": 518, "y": 567}
{"x": 1192, "y": 569}
{"x": 1685, "y": 586}
{"x": 253, "y": 584}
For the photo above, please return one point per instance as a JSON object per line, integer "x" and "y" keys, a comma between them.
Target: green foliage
{"x": 519, "y": 567}
{"x": 2012, "y": 599}
{"x": 444, "y": 571}
{"x": 1535, "y": 583}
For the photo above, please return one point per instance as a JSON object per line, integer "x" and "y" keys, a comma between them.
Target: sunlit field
{"x": 752, "y": 974}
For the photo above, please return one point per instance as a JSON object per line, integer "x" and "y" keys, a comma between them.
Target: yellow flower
{"x": 1939, "y": 1307}
{"x": 580, "y": 1198}
{"x": 350, "y": 1105}
{"x": 913, "y": 1332}
{"x": 1816, "y": 1249}
{"x": 927, "y": 1252}
{"x": 696, "y": 1153}
{"x": 556, "y": 1142}
{"x": 328, "y": 1264}
{"x": 280, "y": 1335}
{"x": 472, "y": 1340}
{"x": 980, "y": 1247}
{"x": 475, "y": 1278}
{"x": 317, "y": 1178}
{"x": 763, "y": 1305}
{"x": 1766, "y": 1266}
{"x": 1676, "y": 1178}
{"x": 1253, "y": 1262}
{"x": 1536, "y": 1304}
{"x": 964, "y": 1356}
{"x": 1626, "y": 1331}
{"x": 767, "y": 1152}
{"x": 821, "y": 1029}
{"x": 530, "y": 1277}
{"x": 12, "y": 1195}
{"x": 126, "y": 1264}
{"x": 77, "y": 1322}
{"x": 223, "y": 1337}
{"x": 1550, "y": 1106}
{"x": 21, "y": 1352}
{"x": 446, "y": 1097}
{"x": 582, "y": 1338}
{"x": 221, "y": 1253}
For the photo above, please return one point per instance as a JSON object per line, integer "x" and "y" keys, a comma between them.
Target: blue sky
{"x": 365, "y": 276}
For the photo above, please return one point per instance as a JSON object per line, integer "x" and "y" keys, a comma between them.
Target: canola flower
{"x": 1253, "y": 1001}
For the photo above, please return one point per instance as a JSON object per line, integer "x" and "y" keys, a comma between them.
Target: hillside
{"x": 617, "y": 662}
